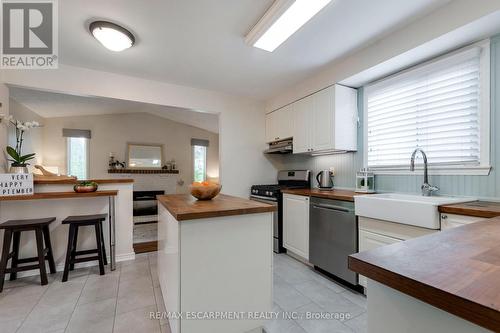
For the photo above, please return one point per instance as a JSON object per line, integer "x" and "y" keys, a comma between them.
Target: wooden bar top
{"x": 58, "y": 195}
{"x": 344, "y": 195}
{"x": 73, "y": 182}
{"x": 456, "y": 270}
{"x": 475, "y": 208}
{"x": 186, "y": 207}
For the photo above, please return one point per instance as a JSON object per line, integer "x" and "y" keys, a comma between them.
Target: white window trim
{"x": 68, "y": 152}
{"x": 484, "y": 168}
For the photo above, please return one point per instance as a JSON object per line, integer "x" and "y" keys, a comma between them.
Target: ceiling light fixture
{"x": 281, "y": 21}
{"x": 111, "y": 35}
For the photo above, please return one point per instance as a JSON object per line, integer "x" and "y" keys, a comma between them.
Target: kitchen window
{"x": 77, "y": 152}
{"x": 199, "y": 159}
{"x": 441, "y": 107}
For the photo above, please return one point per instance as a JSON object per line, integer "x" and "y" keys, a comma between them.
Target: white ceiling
{"x": 49, "y": 105}
{"x": 200, "y": 43}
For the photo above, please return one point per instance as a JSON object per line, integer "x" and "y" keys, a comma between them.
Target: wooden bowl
{"x": 85, "y": 188}
{"x": 206, "y": 192}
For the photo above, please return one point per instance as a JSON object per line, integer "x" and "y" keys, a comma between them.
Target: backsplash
{"x": 346, "y": 165}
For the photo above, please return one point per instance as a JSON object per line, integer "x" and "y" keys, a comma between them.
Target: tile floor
{"x": 121, "y": 301}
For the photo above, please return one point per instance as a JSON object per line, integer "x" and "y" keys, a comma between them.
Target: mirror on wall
{"x": 144, "y": 156}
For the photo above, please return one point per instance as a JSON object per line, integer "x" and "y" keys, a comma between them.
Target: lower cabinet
{"x": 375, "y": 233}
{"x": 449, "y": 221}
{"x": 296, "y": 224}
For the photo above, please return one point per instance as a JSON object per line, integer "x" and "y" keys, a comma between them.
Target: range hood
{"x": 280, "y": 147}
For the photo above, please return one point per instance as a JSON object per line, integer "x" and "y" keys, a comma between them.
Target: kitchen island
{"x": 215, "y": 262}
{"x": 447, "y": 282}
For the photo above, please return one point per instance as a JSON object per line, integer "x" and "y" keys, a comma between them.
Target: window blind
{"x": 434, "y": 107}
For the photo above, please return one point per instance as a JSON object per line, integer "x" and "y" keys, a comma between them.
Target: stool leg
{"x": 15, "y": 255}
{"x": 73, "y": 250}
{"x": 7, "y": 236}
{"x": 68, "y": 252}
{"x": 48, "y": 245}
{"x": 99, "y": 247}
{"x": 41, "y": 256}
{"x": 105, "y": 259}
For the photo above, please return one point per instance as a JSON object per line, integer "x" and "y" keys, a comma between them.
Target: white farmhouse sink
{"x": 408, "y": 209}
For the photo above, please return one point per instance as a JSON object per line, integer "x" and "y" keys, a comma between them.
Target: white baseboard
{"x": 60, "y": 266}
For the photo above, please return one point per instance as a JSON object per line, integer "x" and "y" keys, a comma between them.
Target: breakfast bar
{"x": 57, "y": 198}
{"x": 215, "y": 262}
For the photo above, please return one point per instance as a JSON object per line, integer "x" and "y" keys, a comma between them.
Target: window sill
{"x": 436, "y": 171}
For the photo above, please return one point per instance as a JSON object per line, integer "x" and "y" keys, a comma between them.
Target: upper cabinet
{"x": 320, "y": 123}
{"x": 327, "y": 121}
{"x": 279, "y": 124}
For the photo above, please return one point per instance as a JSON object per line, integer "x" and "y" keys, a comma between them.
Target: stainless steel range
{"x": 272, "y": 194}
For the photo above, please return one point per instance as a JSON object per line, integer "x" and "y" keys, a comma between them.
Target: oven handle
{"x": 261, "y": 198}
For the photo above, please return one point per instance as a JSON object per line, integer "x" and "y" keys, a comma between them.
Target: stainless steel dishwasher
{"x": 333, "y": 236}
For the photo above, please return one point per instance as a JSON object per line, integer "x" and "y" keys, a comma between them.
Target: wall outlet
{"x": 332, "y": 169}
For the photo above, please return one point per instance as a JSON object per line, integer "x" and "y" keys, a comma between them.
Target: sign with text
{"x": 29, "y": 34}
{"x": 16, "y": 184}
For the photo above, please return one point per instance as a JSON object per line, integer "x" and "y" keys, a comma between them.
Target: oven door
{"x": 274, "y": 202}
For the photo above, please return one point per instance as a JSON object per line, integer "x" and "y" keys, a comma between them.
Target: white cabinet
{"x": 369, "y": 241}
{"x": 449, "y": 221}
{"x": 326, "y": 121}
{"x": 296, "y": 224}
{"x": 279, "y": 124}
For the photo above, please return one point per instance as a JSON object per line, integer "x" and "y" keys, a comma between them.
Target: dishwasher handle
{"x": 332, "y": 207}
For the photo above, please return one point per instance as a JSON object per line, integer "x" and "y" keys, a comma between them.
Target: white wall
{"x": 241, "y": 120}
{"x": 442, "y": 21}
{"x": 111, "y": 133}
{"x": 4, "y": 99}
{"x": 33, "y": 139}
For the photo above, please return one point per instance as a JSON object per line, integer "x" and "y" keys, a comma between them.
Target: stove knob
{"x": 268, "y": 193}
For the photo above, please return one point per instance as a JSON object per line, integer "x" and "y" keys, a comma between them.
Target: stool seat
{"x": 72, "y": 254}
{"x": 12, "y": 233}
{"x": 85, "y": 218}
{"x": 27, "y": 224}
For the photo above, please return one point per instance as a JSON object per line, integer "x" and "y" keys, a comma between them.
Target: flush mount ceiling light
{"x": 111, "y": 35}
{"x": 281, "y": 21}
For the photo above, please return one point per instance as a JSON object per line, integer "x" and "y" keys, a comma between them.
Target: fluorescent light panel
{"x": 297, "y": 14}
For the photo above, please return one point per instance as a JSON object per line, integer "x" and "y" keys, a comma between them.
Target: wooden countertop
{"x": 344, "y": 195}
{"x": 475, "y": 208}
{"x": 59, "y": 195}
{"x": 456, "y": 270}
{"x": 72, "y": 182}
{"x": 186, "y": 207}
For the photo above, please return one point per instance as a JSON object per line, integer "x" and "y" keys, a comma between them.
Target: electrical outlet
{"x": 332, "y": 169}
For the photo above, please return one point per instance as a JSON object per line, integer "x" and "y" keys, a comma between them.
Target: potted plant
{"x": 19, "y": 161}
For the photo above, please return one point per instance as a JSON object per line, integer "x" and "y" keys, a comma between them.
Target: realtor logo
{"x": 29, "y": 34}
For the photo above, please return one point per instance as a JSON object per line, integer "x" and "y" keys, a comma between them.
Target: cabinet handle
{"x": 444, "y": 217}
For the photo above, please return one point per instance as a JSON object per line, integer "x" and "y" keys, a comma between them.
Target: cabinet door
{"x": 296, "y": 224}
{"x": 284, "y": 122}
{"x": 303, "y": 113}
{"x": 322, "y": 134}
{"x": 369, "y": 241}
{"x": 449, "y": 221}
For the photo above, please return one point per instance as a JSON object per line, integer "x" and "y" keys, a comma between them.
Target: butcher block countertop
{"x": 59, "y": 195}
{"x": 186, "y": 207}
{"x": 475, "y": 208}
{"x": 456, "y": 270}
{"x": 72, "y": 181}
{"x": 344, "y": 195}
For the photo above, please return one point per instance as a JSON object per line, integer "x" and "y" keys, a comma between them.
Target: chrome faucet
{"x": 427, "y": 189}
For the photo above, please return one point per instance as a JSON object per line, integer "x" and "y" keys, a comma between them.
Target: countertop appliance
{"x": 333, "y": 236}
{"x": 272, "y": 194}
{"x": 325, "y": 180}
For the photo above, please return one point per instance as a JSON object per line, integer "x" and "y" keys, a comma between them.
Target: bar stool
{"x": 75, "y": 222}
{"x": 12, "y": 232}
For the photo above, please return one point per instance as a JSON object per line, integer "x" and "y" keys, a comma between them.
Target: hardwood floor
{"x": 146, "y": 247}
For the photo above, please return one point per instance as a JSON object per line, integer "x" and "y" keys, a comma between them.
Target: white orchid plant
{"x": 16, "y": 156}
